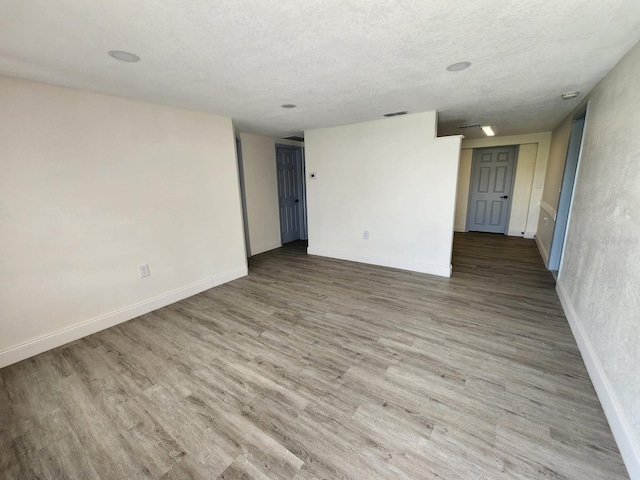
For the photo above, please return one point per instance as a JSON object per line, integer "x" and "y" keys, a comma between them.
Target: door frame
{"x": 302, "y": 186}
{"x": 516, "y": 151}
{"x": 243, "y": 195}
{"x": 565, "y": 204}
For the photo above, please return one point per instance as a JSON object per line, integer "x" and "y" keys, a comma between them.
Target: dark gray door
{"x": 289, "y": 192}
{"x": 490, "y": 190}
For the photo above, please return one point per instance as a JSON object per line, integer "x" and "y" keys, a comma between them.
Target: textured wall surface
{"x": 91, "y": 187}
{"x": 342, "y": 62}
{"x": 601, "y": 266}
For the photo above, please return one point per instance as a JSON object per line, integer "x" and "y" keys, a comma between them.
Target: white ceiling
{"x": 340, "y": 61}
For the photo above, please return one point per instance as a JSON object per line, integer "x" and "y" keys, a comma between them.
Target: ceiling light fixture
{"x": 488, "y": 130}
{"x": 456, "y": 67}
{"x": 569, "y": 95}
{"x": 288, "y": 105}
{"x": 124, "y": 56}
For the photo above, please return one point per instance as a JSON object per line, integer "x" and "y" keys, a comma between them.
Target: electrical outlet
{"x": 144, "y": 270}
{"x": 365, "y": 235}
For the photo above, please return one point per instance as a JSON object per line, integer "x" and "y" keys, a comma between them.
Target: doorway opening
{"x": 490, "y": 190}
{"x": 292, "y": 202}
{"x": 566, "y": 191}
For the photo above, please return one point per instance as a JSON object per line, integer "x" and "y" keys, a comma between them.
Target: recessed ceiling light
{"x": 288, "y": 105}
{"x": 488, "y": 130}
{"x": 124, "y": 56}
{"x": 568, "y": 95}
{"x": 456, "y": 67}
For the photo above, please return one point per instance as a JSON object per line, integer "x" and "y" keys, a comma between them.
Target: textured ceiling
{"x": 340, "y": 61}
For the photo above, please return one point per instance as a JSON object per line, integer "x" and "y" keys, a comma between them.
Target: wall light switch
{"x": 144, "y": 270}
{"x": 365, "y": 235}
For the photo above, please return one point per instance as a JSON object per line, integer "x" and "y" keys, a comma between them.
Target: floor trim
{"x": 56, "y": 339}
{"x": 604, "y": 389}
{"x": 382, "y": 261}
{"x": 543, "y": 251}
{"x": 265, "y": 248}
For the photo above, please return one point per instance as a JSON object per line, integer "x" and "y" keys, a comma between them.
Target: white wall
{"x": 599, "y": 279}
{"x": 93, "y": 186}
{"x": 391, "y": 177}
{"x": 533, "y": 152}
{"x": 261, "y": 190}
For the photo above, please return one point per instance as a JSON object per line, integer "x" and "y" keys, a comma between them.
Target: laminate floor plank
{"x": 316, "y": 368}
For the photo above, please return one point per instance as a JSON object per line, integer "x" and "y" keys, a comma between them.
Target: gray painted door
{"x": 289, "y": 194}
{"x": 490, "y": 191}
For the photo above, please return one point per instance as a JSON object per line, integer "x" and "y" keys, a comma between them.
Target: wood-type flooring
{"x": 314, "y": 368}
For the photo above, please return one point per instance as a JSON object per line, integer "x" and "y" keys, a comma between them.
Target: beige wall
{"x": 261, "y": 190}
{"x": 390, "y": 177}
{"x": 599, "y": 278}
{"x": 553, "y": 182}
{"x": 533, "y": 151}
{"x": 93, "y": 186}
{"x": 462, "y": 193}
{"x": 544, "y": 234}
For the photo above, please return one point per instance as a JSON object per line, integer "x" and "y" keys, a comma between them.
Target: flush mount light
{"x": 288, "y": 105}
{"x": 456, "y": 67}
{"x": 124, "y": 56}
{"x": 568, "y": 95}
{"x": 488, "y": 130}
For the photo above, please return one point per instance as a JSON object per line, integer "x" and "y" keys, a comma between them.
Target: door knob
{"x": 504, "y": 196}
{"x": 297, "y": 200}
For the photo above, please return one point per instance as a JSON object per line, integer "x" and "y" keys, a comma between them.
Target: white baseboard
{"x": 608, "y": 398}
{"x": 53, "y": 340}
{"x": 265, "y": 248}
{"x": 459, "y": 229}
{"x": 549, "y": 209}
{"x": 443, "y": 271}
{"x": 543, "y": 252}
{"x": 519, "y": 233}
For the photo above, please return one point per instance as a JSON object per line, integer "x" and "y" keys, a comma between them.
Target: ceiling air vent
{"x": 395, "y": 114}
{"x": 297, "y": 139}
